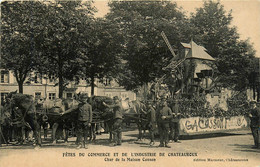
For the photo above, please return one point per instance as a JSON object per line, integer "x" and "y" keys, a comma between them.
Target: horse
{"x": 26, "y": 105}
{"x": 63, "y": 113}
{"x": 135, "y": 111}
{"x": 5, "y": 124}
{"x": 60, "y": 114}
{"x": 102, "y": 114}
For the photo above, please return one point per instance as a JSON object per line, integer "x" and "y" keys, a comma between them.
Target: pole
{"x": 168, "y": 43}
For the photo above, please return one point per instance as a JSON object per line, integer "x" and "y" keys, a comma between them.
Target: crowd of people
{"x": 158, "y": 116}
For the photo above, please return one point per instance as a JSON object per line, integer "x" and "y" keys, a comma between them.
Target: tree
{"x": 212, "y": 29}
{"x": 99, "y": 53}
{"x": 145, "y": 52}
{"x": 20, "y": 26}
{"x": 60, "y": 47}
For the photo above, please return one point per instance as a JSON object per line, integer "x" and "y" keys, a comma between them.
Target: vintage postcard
{"x": 130, "y": 83}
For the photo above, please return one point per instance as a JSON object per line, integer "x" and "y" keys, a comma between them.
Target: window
{"x": 3, "y": 98}
{"x": 109, "y": 95}
{"x": 107, "y": 82}
{"x": 38, "y": 95}
{"x": 69, "y": 95}
{"x": 4, "y": 76}
{"x": 51, "y": 78}
{"x": 37, "y": 78}
{"x": 52, "y": 96}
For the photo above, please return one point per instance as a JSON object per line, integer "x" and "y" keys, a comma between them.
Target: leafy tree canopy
{"x": 61, "y": 41}
{"x": 145, "y": 52}
{"x": 212, "y": 28}
{"x": 19, "y": 30}
{"x": 99, "y": 51}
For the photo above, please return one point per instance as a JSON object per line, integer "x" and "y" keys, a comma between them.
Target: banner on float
{"x": 196, "y": 125}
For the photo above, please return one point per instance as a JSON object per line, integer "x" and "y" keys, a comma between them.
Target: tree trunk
{"x": 60, "y": 86}
{"x": 92, "y": 84}
{"x": 20, "y": 80}
{"x": 20, "y": 86}
{"x": 60, "y": 75}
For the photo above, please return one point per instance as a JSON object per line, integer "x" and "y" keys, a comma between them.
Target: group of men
{"x": 161, "y": 116}
{"x": 85, "y": 119}
{"x": 12, "y": 126}
{"x": 158, "y": 115}
{"x": 166, "y": 120}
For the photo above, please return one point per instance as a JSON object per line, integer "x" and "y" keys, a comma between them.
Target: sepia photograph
{"x": 157, "y": 83}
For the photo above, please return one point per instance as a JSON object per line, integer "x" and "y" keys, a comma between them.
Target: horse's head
{"x": 69, "y": 103}
{"x": 5, "y": 113}
{"x": 97, "y": 103}
{"x": 40, "y": 101}
{"x": 8, "y": 97}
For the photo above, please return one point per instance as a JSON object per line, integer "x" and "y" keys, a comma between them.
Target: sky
{"x": 246, "y": 16}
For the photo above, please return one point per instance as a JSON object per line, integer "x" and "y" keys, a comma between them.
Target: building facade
{"x": 47, "y": 87}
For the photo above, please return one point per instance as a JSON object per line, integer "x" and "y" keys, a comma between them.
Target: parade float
{"x": 199, "y": 101}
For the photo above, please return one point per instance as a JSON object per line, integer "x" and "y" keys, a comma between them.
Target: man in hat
{"x": 175, "y": 124}
{"x": 84, "y": 120}
{"x": 152, "y": 121}
{"x": 164, "y": 118}
{"x": 254, "y": 115}
{"x": 118, "y": 119}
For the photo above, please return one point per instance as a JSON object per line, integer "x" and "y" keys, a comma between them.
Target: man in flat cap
{"x": 84, "y": 120}
{"x": 118, "y": 119}
{"x": 175, "y": 124}
{"x": 254, "y": 115}
{"x": 164, "y": 118}
{"x": 152, "y": 121}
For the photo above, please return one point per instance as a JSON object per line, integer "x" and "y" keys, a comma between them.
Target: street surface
{"x": 228, "y": 149}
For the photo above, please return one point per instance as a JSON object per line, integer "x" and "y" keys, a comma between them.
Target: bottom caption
{"x": 144, "y": 157}
{"x": 128, "y": 157}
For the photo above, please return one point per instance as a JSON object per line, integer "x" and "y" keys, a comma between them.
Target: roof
{"x": 197, "y": 52}
{"x": 186, "y": 45}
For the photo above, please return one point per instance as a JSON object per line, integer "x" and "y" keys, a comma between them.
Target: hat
{"x": 83, "y": 96}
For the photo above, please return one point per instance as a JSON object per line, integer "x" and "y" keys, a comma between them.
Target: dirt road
{"x": 230, "y": 149}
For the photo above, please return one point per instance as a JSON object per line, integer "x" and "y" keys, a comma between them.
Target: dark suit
{"x": 255, "y": 124}
{"x": 84, "y": 119}
{"x": 117, "y": 124}
{"x": 163, "y": 124}
{"x": 152, "y": 121}
{"x": 175, "y": 125}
